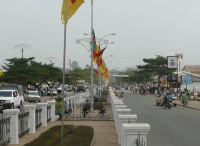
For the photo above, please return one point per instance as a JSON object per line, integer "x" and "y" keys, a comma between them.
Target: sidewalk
{"x": 193, "y": 104}
{"x": 104, "y": 130}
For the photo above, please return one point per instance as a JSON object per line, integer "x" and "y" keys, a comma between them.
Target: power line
{"x": 156, "y": 53}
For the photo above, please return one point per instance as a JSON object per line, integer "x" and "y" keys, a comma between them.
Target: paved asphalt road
{"x": 177, "y": 126}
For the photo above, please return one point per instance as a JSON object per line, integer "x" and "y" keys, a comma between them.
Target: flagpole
{"x": 64, "y": 54}
{"x": 92, "y": 35}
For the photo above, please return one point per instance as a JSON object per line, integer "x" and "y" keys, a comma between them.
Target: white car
{"x": 32, "y": 96}
{"x": 9, "y": 99}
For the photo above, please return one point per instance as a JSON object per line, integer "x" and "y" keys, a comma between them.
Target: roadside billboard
{"x": 187, "y": 79}
{"x": 172, "y": 61}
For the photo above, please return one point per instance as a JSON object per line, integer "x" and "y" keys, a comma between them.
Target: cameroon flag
{"x": 101, "y": 65}
{"x": 72, "y": 6}
{"x": 97, "y": 73}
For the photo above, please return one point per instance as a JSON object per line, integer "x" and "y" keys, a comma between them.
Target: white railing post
{"x": 130, "y": 133}
{"x": 52, "y": 103}
{"x": 120, "y": 112}
{"x": 125, "y": 119}
{"x": 31, "y": 118}
{"x": 14, "y": 133}
{"x": 44, "y": 113}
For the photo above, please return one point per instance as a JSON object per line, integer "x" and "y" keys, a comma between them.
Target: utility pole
{"x": 50, "y": 59}
{"x": 22, "y": 46}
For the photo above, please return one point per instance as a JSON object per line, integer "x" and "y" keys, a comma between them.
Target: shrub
{"x": 98, "y": 105}
{"x": 82, "y": 137}
{"x": 73, "y": 136}
{"x": 52, "y": 136}
{"x": 86, "y": 106}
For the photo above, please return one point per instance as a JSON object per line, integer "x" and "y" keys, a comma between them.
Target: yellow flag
{"x": 1, "y": 73}
{"x": 72, "y": 6}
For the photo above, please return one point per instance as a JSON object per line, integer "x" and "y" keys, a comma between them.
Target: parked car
{"x": 160, "y": 99}
{"x": 32, "y": 96}
{"x": 19, "y": 88}
{"x": 9, "y": 99}
{"x": 69, "y": 89}
{"x": 54, "y": 92}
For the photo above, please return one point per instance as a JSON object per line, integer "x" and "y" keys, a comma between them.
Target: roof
{"x": 7, "y": 90}
{"x": 192, "y": 68}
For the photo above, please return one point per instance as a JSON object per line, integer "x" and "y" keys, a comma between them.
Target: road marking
{"x": 170, "y": 115}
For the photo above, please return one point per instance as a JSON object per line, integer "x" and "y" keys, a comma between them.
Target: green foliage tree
{"x": 26, "y": 71}
{"x": 155, "y": 66}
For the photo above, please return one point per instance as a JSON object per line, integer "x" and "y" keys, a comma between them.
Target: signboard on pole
{"x": 187, "y": 79}
{"x": 172, "y": 61}
{"x": 172, "y": 77}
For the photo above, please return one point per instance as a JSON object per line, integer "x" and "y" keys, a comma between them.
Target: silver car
{"x": 32, "y": 96}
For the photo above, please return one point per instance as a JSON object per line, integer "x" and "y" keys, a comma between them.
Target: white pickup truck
{"x": 9, "y": 99}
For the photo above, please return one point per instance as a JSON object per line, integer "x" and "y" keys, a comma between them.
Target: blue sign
{"x": 186, "y": 79}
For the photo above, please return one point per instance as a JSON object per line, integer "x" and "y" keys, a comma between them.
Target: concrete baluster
{"x": 52, "y": 103}
{"x": 125, "y": 119}
{"x": 120, "y": 112}
{"x": 14, "y": 133}
{"x": 44, "y": 113}
{"x": 130, "y": 133}
{"x": 31, "y": 117}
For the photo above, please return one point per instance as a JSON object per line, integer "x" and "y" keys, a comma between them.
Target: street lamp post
{"x": 50, "y": 59}
{"x": 22, "y": 47}
{"x": 90, "y": 41}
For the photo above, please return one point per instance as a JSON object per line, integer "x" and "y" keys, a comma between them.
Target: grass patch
{"x": 73, "y": 136}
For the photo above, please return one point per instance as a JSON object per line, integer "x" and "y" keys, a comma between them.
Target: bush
{"x": 73, "y": 136}
{"x": 98, "y": 105}
{"x": 102, "y": 99}
{"x": 52, "y": 136}
{"x": 82, "y": 137}
{"x": 86, "y": 106}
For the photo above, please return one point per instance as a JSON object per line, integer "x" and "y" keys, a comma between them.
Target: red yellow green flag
{"x": 101, "y": 65}
{"x": 72, "y": 6}
{"x": 99, "y": 54}
{"x": 97, "y": 73}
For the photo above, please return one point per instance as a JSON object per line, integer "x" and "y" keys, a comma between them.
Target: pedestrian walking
{"x": 184, "y": 99}
{"x": 179, "y": 95}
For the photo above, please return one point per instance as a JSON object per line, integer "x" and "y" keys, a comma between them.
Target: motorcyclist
{"x": 169, "y": 97}
{"x": 58, "y": 106}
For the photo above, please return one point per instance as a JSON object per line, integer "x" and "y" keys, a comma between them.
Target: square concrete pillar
{"x": 125, "y": 119}
{"x": 52, "y": 103}
{"x": 14, "y": 133}
{"x": 130, "y": 133}
{"x": 31, "y": 118}
{"x": 44, "y": 113}
{"x": 120, "y": 112}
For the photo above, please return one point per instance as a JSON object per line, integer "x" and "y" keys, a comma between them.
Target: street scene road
{"x": 177, "y": 126}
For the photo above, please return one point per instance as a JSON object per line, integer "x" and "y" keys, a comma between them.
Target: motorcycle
{"x": 167, "y": 104}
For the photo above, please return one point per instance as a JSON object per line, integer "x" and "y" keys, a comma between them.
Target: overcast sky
{"x": 143, "y": 28}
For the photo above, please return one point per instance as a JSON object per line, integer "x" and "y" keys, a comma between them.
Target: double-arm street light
{"x": 22, "y": 47}
{"x": 90, "y": 41}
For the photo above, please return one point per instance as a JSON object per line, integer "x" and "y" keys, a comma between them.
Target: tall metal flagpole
{"x": 92, "y": 35}
{"x": 64, "y": 52}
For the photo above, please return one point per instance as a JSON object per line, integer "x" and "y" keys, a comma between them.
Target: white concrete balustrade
{"x": 120, "y": 112}
{"x": 13, "y": 114}
{"x": 125, "y": 119}
{"x": 126, "y": 127}
{"x": 130, "y": 133}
